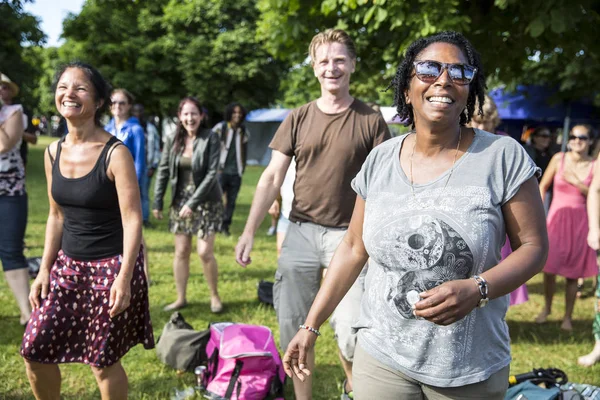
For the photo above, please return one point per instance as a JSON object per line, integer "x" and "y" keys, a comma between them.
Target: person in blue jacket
{"x": 128, "y": 129}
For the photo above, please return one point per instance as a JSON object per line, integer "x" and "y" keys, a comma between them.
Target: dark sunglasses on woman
{"x": 582, "y": 138}
{"x": 429, "y": 71}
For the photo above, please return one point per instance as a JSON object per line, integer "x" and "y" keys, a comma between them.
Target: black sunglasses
{"x": 429, "y": 71}
{"x": 582, "y": 138}
{"x": 118, "y": 103}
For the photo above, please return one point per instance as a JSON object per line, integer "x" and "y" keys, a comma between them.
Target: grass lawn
{"x": 533, "y": 346}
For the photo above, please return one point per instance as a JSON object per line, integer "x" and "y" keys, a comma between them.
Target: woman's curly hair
{"x": 404, "y": 73}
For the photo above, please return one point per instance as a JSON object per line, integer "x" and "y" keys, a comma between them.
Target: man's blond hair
{"x": 331, "y": 36}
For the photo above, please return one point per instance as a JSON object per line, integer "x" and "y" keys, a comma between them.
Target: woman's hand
{"x": 120, "y": 295}
{"x": 185, "y": 212}
{"x": 274, "y": 210}
{"x": 294, "y": 359}
{"x": 449, "y": 302}
{"x": 571, "y": 178}
{"x": 39, "y": 288}
{"x": 593, "y": 239}
{"x": 157, "y": 214}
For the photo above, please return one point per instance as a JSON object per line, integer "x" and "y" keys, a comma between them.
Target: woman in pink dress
{"x": 569, "y": 254}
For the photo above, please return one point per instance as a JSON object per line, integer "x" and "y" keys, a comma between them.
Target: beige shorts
{"x": 306, "y": 250}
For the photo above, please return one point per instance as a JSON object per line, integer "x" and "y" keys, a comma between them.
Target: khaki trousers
{"x": 374, "y": 380}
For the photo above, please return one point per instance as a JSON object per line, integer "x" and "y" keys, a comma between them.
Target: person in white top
{"x": 232, "y": 162}
{"x": 13, "y": 198}
{"x": 280, "y": 210}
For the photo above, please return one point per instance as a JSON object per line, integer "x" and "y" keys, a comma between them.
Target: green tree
{"x": 543, "y": 42}
{"x": 19, "y": 35}
{"x": 164, "y": 50}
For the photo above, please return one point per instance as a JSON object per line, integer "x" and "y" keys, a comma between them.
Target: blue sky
{"x": 51, "y": 14}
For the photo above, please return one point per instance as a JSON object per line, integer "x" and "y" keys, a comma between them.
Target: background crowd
{"x": 541, "y": 204}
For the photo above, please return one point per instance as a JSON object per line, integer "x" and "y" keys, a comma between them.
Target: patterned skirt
{"x": 204, "y": 221}
{"x": 73, "y": 323}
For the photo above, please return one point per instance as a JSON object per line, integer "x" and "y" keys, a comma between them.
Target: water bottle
{"x": 200, "y": 372}
{"x": 183, "y": 394}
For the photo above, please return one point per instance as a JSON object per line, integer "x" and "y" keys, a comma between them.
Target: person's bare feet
{"x": 178, "y": 305}
{"x": 592, "y": 358}
{"x": 216, "y": 306}
{"x": 566, "y": 325}
{"x": 542, "y": 317}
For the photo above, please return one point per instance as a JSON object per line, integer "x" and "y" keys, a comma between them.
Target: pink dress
{"x": 520, "y": 294}
{"x": 569, "y": 254}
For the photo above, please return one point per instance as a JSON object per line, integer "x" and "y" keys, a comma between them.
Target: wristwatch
{"x": 483, "y": 290}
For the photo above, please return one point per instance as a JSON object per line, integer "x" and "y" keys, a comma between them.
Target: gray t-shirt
{"x": 445, "y": 234}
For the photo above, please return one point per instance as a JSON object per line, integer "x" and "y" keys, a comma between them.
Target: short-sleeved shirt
{"x": 329, "y": 151}
{"x": 443, "y": 233}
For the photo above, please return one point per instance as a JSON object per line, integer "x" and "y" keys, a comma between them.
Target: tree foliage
{"x": 19, "y": 36}
{"x": 549, "y": 42}
{"x": 255, "y": 51}
{"x": 164, "y": 50}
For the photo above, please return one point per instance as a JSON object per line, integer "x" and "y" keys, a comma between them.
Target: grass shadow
{"x": 550, "y": 332}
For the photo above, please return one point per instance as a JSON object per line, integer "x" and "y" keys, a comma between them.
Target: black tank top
{"x": 92, "y": 220}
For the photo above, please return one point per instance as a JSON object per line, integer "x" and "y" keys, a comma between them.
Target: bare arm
{"x": 344, "y": 268}
{"x": 267, "y": 191}
{"x": 548, "y": 176}
{"x": 526, "y": 228}
{"x": 122, "y": 168}
{"x": 11, "y": 131}
{"x": 53, "y": 238}
{"x": 593, "y": 209}
{"x": 572, "y": 179}
{"x": 30, "y": 137}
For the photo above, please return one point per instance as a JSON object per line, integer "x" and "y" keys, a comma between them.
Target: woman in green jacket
{"x": 190, "y": 162}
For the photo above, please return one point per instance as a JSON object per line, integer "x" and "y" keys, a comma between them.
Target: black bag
{"x": 550, "y": 377}
{"x": 265, "y": 292}
{"x": 180, "y": 346}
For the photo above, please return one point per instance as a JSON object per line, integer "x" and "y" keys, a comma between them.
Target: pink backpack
{"x": 243, "y": 363}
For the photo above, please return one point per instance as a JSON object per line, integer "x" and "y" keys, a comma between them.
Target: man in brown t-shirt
{"x": 330, "y": 139}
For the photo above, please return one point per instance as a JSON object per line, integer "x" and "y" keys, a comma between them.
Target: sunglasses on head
{"x": 582, "y": 138}
{"x": 429, "y": 71}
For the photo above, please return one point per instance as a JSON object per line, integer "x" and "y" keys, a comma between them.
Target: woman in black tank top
{"x": 90, "y": 297}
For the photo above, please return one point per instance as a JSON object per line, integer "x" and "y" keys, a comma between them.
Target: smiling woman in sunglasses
{"x": 570, "y": 256}
{"x": 431, "y": 215}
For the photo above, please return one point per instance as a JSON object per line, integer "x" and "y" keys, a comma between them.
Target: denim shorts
{"x": 282, "y": 224}
{"x": 13, "y": 220}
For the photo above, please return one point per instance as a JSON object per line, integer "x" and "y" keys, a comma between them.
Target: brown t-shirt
{"x": 329, "y": 151}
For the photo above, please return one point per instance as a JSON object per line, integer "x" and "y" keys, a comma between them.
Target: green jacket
{"x": 205, "y": 164}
